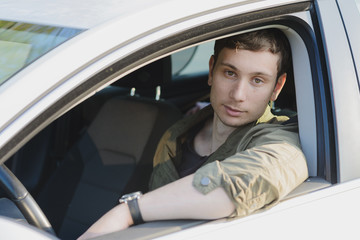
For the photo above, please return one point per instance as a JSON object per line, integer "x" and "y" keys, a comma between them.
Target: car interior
{"x": 77, "y": 168}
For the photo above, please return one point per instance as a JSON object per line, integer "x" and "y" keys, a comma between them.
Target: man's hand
{"x": 116, "y": 219}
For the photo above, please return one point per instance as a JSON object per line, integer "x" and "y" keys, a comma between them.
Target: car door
{"x": 320, "y": 97}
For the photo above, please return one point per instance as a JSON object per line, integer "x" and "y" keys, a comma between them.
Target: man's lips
{"x": 233, "y": 112}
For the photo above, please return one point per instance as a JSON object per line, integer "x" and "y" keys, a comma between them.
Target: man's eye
{"x": 230, "y": 73}
{"x": 257, "y": 80}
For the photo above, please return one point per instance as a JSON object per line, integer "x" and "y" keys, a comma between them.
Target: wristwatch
{"x": 131, "y": 200}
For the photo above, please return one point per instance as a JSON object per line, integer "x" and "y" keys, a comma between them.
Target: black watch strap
{"x": 135, "y": 211}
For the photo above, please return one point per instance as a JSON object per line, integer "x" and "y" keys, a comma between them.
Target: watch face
{"x": 129, "y": 197}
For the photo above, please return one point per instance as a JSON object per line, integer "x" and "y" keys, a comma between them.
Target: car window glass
{"x": 21, "y": 43}
{"x": 192, "y": 61}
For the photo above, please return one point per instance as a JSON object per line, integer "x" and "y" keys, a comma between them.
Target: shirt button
{"x": 205, "y": 181}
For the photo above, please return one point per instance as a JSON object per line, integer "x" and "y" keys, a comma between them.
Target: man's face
{"x": 242, "y": 83}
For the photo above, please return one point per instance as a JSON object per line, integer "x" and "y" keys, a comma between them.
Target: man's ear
{"x": 279, "y": 85}
{"x": 211, "y": 68}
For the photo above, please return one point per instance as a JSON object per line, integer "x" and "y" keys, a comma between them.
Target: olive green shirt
{"x": 257, "y": 166}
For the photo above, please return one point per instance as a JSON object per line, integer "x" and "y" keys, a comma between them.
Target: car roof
{"x": 81, "y": 14}
{"x": 85, "y": 14}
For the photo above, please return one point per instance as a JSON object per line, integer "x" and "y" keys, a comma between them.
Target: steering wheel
{"x": 23, "y": 200}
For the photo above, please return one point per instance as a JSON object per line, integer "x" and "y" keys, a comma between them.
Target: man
{"x": 232, "y": 158}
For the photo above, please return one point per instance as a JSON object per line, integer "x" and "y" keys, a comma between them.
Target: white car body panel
{"x": 318, "y": 215}
{"x": 341, "y": 68}
{"x": 76, "y": 14}
{"x": 13, "y": 230}
{"x": 85, "y": 14}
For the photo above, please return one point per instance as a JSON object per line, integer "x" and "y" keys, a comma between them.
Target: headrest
{"x": 150, "y": 76}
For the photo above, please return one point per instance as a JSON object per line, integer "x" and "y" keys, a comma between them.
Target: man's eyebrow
{"x": 236, "y": 69}
{"x": 229, "y": 65}
{"x": 262, "y": 74}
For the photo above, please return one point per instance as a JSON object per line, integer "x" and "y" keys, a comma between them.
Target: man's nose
{"x": 239, "y": 91}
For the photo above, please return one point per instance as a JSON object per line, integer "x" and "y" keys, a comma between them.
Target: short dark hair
{"x": 272, "y": 40}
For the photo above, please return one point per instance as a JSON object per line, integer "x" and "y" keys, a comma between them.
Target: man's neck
{"x": 220, "y": 132}
{"x": 211, "y": 136}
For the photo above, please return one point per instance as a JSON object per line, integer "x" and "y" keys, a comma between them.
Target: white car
{"x": 88, "y": 87}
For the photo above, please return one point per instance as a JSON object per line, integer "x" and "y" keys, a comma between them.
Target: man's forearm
{"x": 180, "y": 200}
{"x": 177, "y": 200}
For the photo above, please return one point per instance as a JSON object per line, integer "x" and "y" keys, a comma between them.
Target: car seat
{"x": 112, "y": 157}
